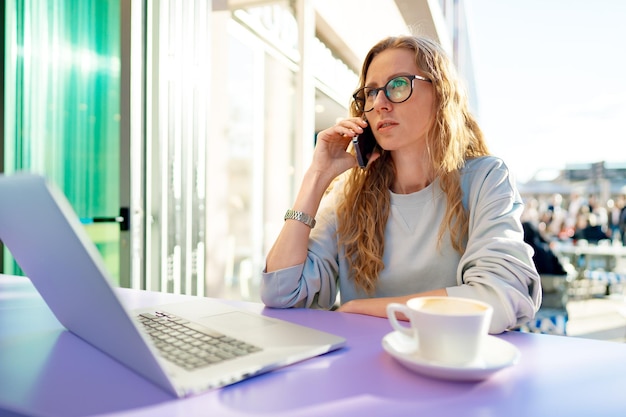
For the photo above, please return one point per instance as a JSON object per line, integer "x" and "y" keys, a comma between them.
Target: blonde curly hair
{"x": 454, "y": 137}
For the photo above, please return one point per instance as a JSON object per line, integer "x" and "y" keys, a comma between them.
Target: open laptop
{"x": 185, "y": 348}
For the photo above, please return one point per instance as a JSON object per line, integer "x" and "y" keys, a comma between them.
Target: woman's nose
{"x": 381, "y": 102}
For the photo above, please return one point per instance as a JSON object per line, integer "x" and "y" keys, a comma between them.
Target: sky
{"x": 551, "y": 81}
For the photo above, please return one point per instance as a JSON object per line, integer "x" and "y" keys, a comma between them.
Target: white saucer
{"x": 496, "y": 355}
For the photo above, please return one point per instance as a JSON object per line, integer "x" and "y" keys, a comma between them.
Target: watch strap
{"x": 301, "y": 217}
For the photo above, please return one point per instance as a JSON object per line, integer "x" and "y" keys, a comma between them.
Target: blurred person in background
{"x": 589, "y": 229}
{"x": 614, "y": 209}
{"x": 622, "y": 221}
{"x": 555, "y": 216}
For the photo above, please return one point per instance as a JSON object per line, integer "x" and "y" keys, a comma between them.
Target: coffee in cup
{"x": 446, "y": 330}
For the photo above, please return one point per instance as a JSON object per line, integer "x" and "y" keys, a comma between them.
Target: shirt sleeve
{"x": 497, "y": 266}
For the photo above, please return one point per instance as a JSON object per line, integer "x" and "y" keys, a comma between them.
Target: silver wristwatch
{"x": 301, "y": 217}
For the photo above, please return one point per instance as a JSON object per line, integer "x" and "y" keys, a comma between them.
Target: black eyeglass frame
{"x": 360, "y": 101}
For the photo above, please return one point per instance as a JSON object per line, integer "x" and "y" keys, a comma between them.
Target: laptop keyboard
{"x": 189, "y": 345}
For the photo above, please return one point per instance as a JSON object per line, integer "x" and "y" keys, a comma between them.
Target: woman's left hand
{"x": 377, "y": 307}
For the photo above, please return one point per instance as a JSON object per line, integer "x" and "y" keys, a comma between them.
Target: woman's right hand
{"x": 331, "y": 156}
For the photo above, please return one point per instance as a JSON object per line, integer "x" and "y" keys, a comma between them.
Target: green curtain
{"x": 62, "y": 103}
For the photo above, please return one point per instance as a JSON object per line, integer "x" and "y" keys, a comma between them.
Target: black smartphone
{"x": 364, "y": 145}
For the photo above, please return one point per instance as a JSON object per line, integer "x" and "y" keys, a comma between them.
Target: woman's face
{"x": 399, "y": 126}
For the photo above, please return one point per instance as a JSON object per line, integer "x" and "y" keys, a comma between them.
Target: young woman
{"x": 431, "y": 214}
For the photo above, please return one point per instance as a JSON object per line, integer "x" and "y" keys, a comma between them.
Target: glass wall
{"x": 177, "y": 118}
{"x": 254, "y": 104}
{"x": 250, "y": 158}
{"x": 62, "y": 105}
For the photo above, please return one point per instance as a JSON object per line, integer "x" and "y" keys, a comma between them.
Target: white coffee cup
{"x": 446, "y": 330}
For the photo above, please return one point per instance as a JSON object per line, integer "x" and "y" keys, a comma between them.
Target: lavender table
{"x": 47, "y": 371}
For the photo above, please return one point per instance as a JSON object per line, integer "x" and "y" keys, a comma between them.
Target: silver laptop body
{"x": 44, "y": 235}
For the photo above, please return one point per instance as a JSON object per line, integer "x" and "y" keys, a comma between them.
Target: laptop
{"x": 185, "y": 348}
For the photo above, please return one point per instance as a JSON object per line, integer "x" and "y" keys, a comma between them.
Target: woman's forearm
{"x": 330, "y": 159}
{"x": 291, "y": 245}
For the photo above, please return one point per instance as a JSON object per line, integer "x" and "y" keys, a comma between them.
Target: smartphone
{"x": 364, "y": 145}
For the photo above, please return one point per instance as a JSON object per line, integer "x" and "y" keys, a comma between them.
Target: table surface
{"x": 47, "y": 371}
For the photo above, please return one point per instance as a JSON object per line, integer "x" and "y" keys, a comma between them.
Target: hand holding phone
{"x": 364, "y": 145}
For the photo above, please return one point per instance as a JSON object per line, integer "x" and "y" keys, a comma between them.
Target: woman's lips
{"x": 385, "y": 124}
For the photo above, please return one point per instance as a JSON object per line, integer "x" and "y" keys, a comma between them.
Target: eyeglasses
{"x": 397, "y": 90}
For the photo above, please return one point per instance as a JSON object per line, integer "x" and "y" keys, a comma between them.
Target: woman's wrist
{"x": 312, "y": 189}
{"x": 317, "y": 181}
